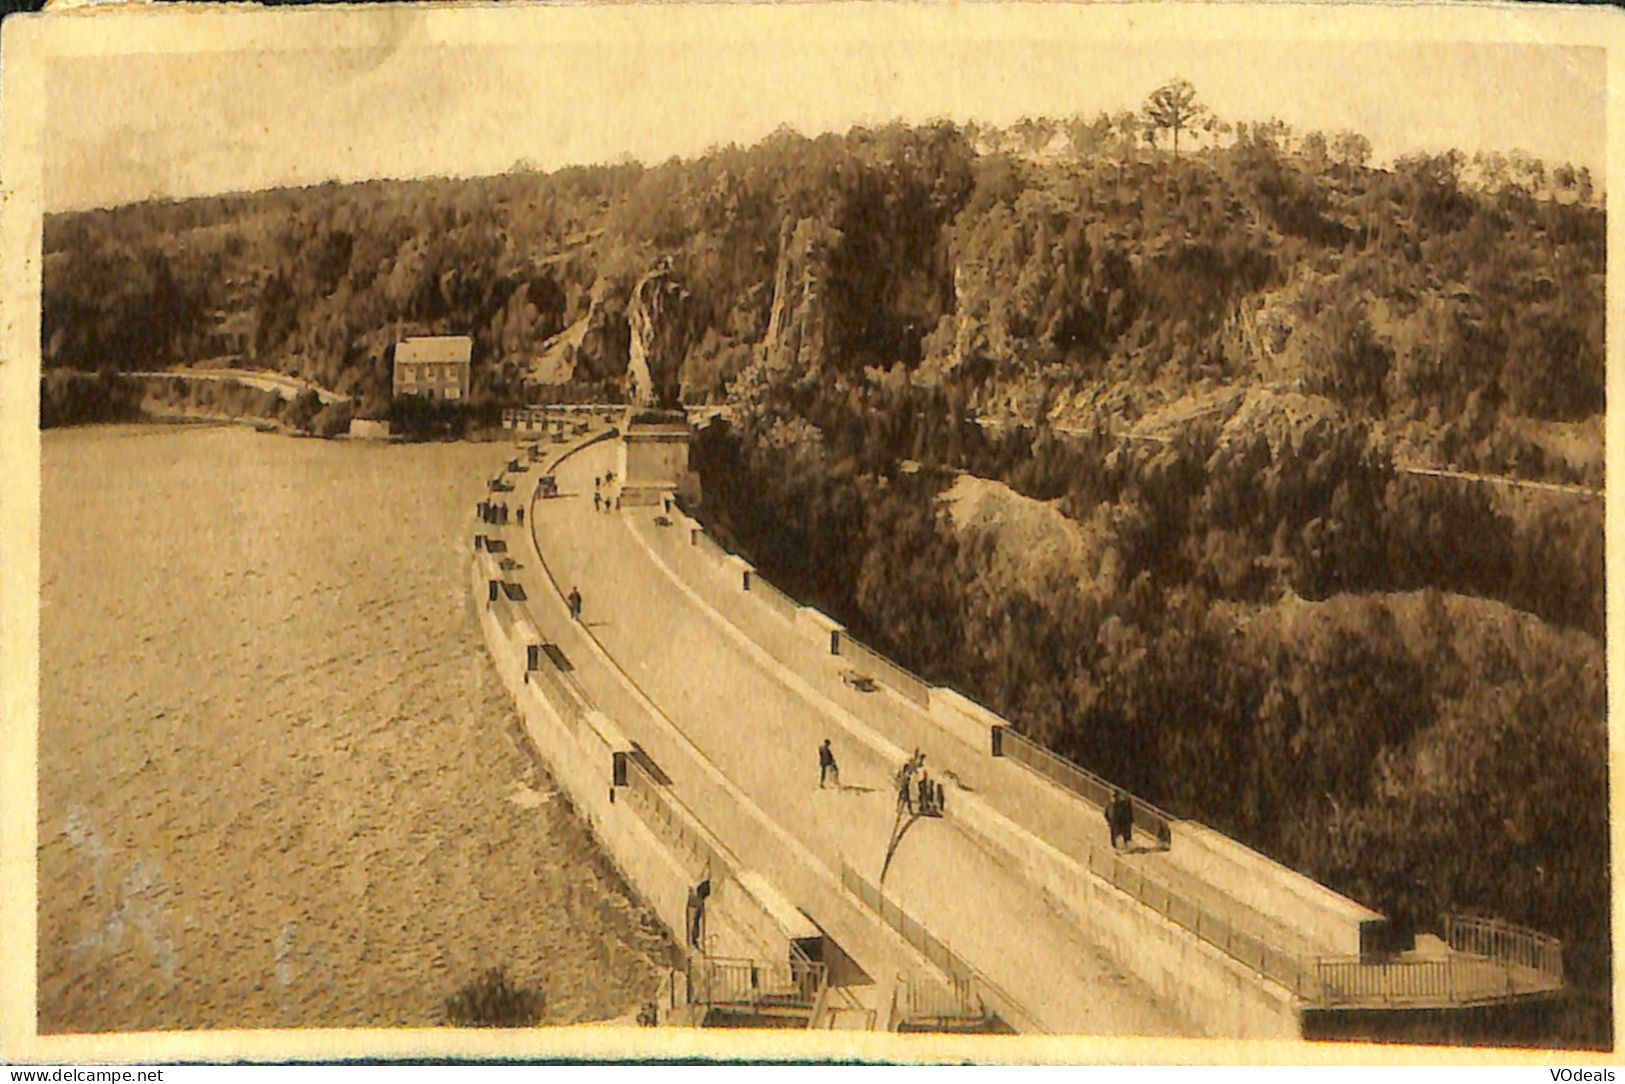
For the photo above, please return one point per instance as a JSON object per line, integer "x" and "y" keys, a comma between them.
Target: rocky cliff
{"x": 660, "y": 322}
{"x": 594, "y": 347}
{"x": 798, "y": 327}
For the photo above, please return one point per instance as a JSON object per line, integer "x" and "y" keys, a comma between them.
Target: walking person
{"x": 827, "y": 768}
{"x": 574, "y": 599}
{"x": 597, "y": 502}
{"x": 924, "y": 798}
{"x": 519, "y": 515}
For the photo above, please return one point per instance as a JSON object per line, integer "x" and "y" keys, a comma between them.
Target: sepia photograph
{"x": 859, "y": 531}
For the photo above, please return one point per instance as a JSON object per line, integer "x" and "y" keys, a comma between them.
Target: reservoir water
{"x": 280, "y": 783}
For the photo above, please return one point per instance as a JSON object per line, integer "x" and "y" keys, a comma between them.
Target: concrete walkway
{"x": 740, "y": 743}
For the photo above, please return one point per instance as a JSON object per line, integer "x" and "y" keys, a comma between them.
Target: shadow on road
{"x": 905, "y": 821}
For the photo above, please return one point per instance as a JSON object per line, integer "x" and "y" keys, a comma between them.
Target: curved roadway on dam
{"x": 738, "y": 732}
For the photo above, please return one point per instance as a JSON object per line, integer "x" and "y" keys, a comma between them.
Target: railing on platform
{"x": 754, "y": 984}
{"x": 1496, "y": 940}
{"x": 968, "y": 986}
{"x": 1351, "y": 980}
{"x": 914, "y": 1000}
{"x": 1451, "y": 980}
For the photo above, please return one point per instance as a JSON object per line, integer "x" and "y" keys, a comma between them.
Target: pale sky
{"x": 381, "y": 92}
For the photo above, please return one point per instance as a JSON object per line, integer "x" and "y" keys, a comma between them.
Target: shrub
{"x": 491, "y": 1001}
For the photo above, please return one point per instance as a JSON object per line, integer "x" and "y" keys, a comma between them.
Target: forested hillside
{"x": 1112, "y": 432}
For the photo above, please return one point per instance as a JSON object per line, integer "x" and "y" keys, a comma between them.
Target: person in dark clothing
{"x": 597, "y": 502}
{"x": 519, "y": 515}
{"x": 574, "y": 599}
{"x": 696, "y": 911}
{"x": 1120, "y": 819}
{"x": 923, "y": 798}
{"x": 826, "y": 766}
{"x": 905, "y": 781}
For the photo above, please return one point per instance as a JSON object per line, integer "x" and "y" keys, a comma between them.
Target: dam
{"x": 682, "y": 706}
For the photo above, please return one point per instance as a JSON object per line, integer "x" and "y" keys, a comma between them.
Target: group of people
{"x": 917, "y": 792}
{"x": 602, "y": 501}
{"x": 496, "y": 512}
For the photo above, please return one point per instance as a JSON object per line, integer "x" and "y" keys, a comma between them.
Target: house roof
{"x": 435, "y": 348}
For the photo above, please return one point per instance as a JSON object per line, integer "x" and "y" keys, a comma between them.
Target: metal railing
{"x": 882, "y": 669}
{"x": 1496, "y": 940}
{"x": 1435, "y": 981}
{"x": 1319, "y": 980}
{"x": 669, "y": 818}
{"x": 774, "y": 599}
{"x": 1080, "y": 781}
{"x": 742, "y": 982}
{"x": 970, "y": 985}
{"x": 916, "y": 1000}
{"x": 1351, "y": 980}
{"x": 561, "y": 692}
{"x": 710, "y": 547}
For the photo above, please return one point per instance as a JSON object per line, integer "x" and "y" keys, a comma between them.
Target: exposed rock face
{"x": 660, "y": 318}
{"x": 795, "y": 347}
{"x": 594, "y": 347}
{"x": 798, "y": 326}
